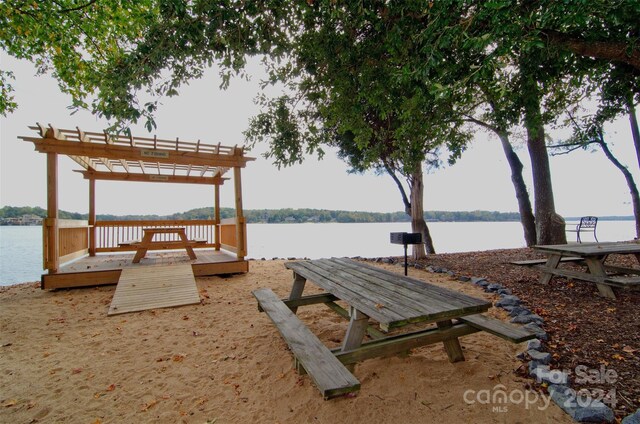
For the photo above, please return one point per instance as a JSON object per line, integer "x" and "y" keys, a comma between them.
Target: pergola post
{"x": 216, "y": 217}
{"x": 52, "y": 261}
{"x": 240, "y": 224}
{"x": 92, "y": 217}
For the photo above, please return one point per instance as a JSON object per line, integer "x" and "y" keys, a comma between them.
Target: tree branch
{"x": 405, "y": 199}
{"x": 74, "y": 9}
{"x": 481, "y": 123}
{"x": 608, "y": 50}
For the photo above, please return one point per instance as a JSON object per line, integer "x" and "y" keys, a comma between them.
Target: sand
{"x": 63, "y": 360}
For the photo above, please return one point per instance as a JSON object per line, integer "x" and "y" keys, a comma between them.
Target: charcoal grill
{"x": 406, "y": 239}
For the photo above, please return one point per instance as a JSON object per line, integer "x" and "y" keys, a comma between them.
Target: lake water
{"x": 21, "y": 247}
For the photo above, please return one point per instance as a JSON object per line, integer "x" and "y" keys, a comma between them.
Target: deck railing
{"x": 73, "y": 241}
{"x": 75, "y": 236}
{"x": 233, "y": 235}
{"x": 116, "y": 236}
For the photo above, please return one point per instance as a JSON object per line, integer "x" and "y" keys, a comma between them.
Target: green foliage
{"x": 77, "y": 40}
{"x": 18, "y": 211}
{"x": 279, "y": 216}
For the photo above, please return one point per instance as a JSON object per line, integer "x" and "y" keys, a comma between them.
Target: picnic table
{"x": 594, "y": 255}
{"x": 373, "y": 294}
{"x": 148, "y": 243}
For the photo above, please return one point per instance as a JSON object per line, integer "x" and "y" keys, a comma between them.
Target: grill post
{"x": 406, "y": 239}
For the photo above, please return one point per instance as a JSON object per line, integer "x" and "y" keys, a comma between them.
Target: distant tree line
{"x": 274, "y": 216}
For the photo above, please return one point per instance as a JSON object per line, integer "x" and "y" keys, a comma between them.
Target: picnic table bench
{"x": 389, "y": 299}
{"x": 594, "y": 255}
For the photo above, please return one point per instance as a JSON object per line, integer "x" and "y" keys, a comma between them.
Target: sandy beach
{"x": 63, "y": 360}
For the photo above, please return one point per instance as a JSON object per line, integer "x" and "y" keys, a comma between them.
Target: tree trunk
{"x": 550, "y": 227}
{"x": 635, "y": 131}
{"x": 522, "y": 195}
{"x": 635, "y": 197}
{"x": 418, "y": 223}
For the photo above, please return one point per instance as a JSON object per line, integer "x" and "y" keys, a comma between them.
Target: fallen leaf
{"x": 379, "y": 305}
{"x": 148, "y": 405}
{"x": 178, "y": 358}
{"x": 629, "y": 349}
{"x": 618, "y": 357}
{"x": 9, "y": 403}
{"x": 111, "y": 388}
{"x": 76, "y": 371}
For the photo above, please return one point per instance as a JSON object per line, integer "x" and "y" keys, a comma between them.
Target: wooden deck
{"x": 106, "y": 268}
{"x": 140, "y": 289}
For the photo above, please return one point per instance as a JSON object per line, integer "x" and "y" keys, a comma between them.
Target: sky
{"x": 584, "y": 183}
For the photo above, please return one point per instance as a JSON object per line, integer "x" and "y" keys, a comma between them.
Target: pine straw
{"x": 584, "y": 328}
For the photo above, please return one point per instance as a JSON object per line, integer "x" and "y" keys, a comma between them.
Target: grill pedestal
{"x": 406, "y": 239}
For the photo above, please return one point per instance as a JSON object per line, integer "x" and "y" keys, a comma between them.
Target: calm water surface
{"x": 21, "y": 247}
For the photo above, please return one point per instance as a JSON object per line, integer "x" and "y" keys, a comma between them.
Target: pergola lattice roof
{"x": 123, "y": 157}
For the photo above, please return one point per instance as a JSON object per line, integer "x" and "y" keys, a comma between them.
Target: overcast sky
{"x": 584, "y": 183}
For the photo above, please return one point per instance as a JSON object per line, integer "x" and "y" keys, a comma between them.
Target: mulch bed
{"x": 584, "y": 328}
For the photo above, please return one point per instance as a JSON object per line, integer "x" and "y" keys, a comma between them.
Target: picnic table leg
{"x": 358, "y": 324}
{"x": 189, "y": 249}
{"x": 596, "y": 267}
{"x": 552, "y": 262}
{"x": 356, "y": 330}
{"x": 142, "y": 249}
{"x": 297, "y": 289}
{"x": 452, "y": 346}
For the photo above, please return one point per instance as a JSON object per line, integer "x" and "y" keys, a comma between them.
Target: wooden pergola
{"x": 124, "y": 157}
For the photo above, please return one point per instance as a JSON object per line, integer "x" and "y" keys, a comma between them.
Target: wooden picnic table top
{"x": 591, "y": 249}
{"x": 389, "y": 298}
{"x": 176, "y": 230}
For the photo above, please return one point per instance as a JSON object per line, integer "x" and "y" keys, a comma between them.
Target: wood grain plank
{"x": 365, "y": 304}
{"x": 326, "y": 371}
{"x": 432, "y": 304}
{"x": 498, "y": 328}
{"x": 155, "y": 287}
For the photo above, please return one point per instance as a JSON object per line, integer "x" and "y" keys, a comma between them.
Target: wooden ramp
{"x": 153, "y": 287}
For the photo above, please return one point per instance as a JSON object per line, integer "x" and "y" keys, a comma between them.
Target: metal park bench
{"x": 586, "y": 224}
